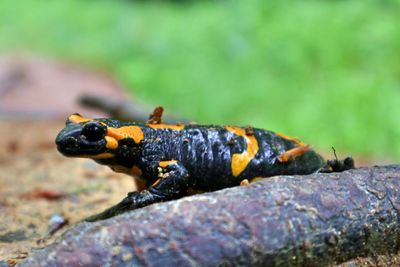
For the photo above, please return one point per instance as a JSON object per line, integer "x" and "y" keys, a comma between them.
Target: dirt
{"x": 36, "y": 182}
{"x": 27, "y": 168}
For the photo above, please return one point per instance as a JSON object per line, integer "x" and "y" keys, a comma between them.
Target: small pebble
{"x": 56, "y": 222}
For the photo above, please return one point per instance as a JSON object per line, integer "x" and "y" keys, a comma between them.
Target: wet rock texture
{"x": 313, "y": 220}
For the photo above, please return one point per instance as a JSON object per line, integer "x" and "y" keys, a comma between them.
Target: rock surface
{"x": 313, "y": 220}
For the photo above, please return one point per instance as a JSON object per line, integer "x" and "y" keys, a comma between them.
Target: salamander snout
{"x": 68, "y": 141}
{"x": 82, "y": 139}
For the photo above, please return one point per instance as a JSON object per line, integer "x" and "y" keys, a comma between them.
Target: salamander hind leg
{"x": 172, "y": 183}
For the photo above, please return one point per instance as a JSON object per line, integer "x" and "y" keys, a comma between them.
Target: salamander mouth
{"x": 76, "y": 151}
{"x": 74, "y": 147}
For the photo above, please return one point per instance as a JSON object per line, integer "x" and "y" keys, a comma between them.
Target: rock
{"x": 313, "y": 220}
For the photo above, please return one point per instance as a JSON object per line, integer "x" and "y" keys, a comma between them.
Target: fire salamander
{"x": 174, "y": 159}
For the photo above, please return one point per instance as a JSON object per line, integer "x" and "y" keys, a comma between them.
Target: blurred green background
{"x": 327, "y": 72}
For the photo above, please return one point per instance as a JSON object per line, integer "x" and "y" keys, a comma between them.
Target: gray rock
{"x": 313, "y": 220}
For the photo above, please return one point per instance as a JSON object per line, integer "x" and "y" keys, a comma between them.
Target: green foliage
{"x": 327, "y": 72}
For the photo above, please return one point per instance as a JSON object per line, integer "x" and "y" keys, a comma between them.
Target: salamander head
{"x": 82, "y": 138}
{"x": 99, "y": 139}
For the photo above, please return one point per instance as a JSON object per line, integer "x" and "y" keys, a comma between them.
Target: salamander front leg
{"x": 173, "y": 183}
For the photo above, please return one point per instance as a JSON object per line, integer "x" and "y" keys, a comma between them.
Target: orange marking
{"x": 240, "y": 161}
{"x": 162, "y": 175}
{"x": 76, "y": 118}
{"x": 111, "y": 143}
{"x": 136, "y": 171}
{"x": 133, "y": 132}
{"x": 295, "y": 140}
{"x": 293, "y": 153}
{"x": 164, "y": 164}
{"x": 156, "y": 182}
{"x": 175, "y": 127}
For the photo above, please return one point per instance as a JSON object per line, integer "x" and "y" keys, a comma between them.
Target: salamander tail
{"x": 336, "y": 165}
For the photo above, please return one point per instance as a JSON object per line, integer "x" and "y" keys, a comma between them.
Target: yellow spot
{"x": 156, "y": 182}
{"x": 111, "y": 143}
{"x": 133, "y": 132}
{"x": 240, "y": 161}
{"x": 76, "y": 118}
{"x": 136, "y": 171}
{"x": 164, "y": 164}
{"x": 162, "y": 175}
{"x": 176, "y": 127}
{"x": 293, "y": 153}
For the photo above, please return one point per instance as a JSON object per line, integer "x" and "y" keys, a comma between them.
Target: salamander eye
{"x": 93, "y": 131}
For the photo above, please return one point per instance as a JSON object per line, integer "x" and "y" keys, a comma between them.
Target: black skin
{"x": 202, "y": 158}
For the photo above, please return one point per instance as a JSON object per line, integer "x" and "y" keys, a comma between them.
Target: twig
{"x": 122, "y": 109}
